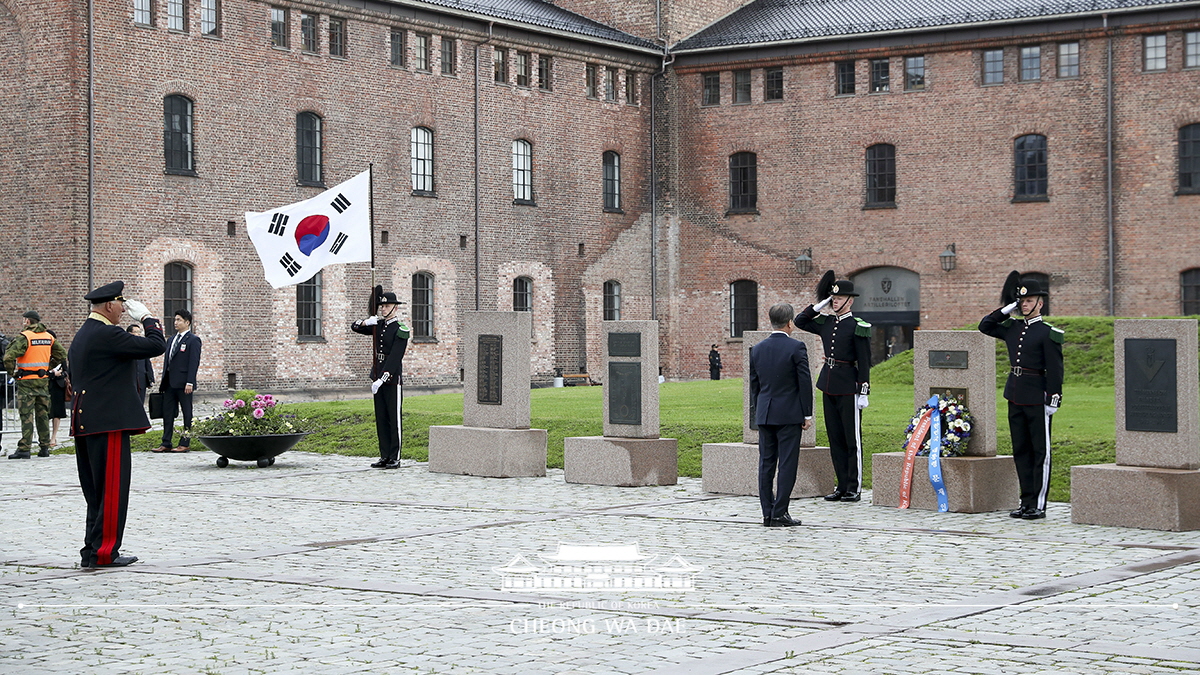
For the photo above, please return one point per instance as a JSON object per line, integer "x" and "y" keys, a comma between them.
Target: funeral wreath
{"x": 956, "y": 427}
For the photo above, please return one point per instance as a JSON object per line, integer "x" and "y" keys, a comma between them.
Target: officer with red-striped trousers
{"x": 106, "y": 412}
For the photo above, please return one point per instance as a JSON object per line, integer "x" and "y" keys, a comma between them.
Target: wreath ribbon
{"x": 931, "y": 424}
{"x": 910, "y": 457}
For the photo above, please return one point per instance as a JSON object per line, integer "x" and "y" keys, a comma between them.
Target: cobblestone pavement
{"x": 319, "y": 564}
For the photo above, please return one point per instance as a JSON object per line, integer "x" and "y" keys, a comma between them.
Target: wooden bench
{"x": 577, "y": 380}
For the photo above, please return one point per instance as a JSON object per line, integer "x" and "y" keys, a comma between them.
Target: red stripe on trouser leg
{"x": 110, "y": 510}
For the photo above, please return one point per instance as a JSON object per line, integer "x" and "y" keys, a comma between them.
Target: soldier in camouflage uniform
{"x": 29, "y": 358}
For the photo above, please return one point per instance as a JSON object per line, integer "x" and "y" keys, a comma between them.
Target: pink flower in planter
{"x": 258, "y": 413}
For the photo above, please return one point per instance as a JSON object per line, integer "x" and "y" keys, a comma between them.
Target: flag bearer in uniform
{"x": 30, "y": 358}
{"x": 1034, "y": 386}
{"x": 845, "y": 379}
{"x": 106, "y": 412}
{"x": 389, "y": 342}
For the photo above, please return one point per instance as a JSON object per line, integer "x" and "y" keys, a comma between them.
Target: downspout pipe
{"x": 476, "y": 122}
{"x": 666, "y": 61}
{"x": 91, "y": 147}
{"x": 1109, "y": 171}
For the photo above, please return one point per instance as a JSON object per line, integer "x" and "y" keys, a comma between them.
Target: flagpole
{"x": 371, "y": 193}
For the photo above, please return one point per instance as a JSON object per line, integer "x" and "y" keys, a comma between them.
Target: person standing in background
{"x": 180, "y": 368}
{"x": 30, "y": 357}
{"x": 145, "y": 369}
{"x": 714, "y": 363}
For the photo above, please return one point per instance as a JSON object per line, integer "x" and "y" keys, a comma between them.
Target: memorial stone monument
{"x": 732, "y": 468}
{"x": 956, "y": 363}
{"x": 494, "y": 439}
{"x": 1155, "y": 482}
{"x": 630, "y": 453}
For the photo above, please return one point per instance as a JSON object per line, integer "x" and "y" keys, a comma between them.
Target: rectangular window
{"x": 524, "y": 69}
{"x": 610, "y": 84}
{"x": 449, "y": 57}
{"x": 308, "y": 31}
{"x": 210, "y": 17}
{"x": 398, "y": 48}
{"x": 741, "y": 86}
{"x": 743, "y": 307}
{"x": 545, "y": 72}
{"x": 880, "y": 77}
{"x": 308, "y": 308}
{"x": 743, "y": 182}
{"x": 712, "y": 89}
{"x": 421, "y": 52}
{"x": 1191, "y": 49}
{"x": 422, "y": 305}
{"x": 845, "y": 78}
{"x": 143, "y": 12}
{"x": 500, "y": 65}
{"x": 177, "y": 15}
{"x": 993, "y": 66}
{"x": 914, "y": 73}
{"x": 773, "y": 84}
{"x": 1068, "y": 59}
{"x": 279, "y": 27}
{"x": 177, "y": 292}
{"x": 589, "y": 80}
{"x": 631, "y": 79}
{"x": 337, "y": 37}
{"x": 1156, "y": 52}
{"x": 1031, "y": 63}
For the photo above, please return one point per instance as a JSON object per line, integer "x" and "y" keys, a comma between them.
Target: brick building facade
{"x": 583, "y": 83}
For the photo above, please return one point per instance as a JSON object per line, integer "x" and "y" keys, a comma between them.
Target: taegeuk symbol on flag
{"x": 294, "y": 242}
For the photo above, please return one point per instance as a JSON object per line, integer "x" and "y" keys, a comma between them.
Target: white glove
{"x": 860, "y": 401}
{"x": 370, "y": 321}
{"x": 1009, "y": 308}
{"x": 136, "y": 310}
{"x": 375, "y": 386}
{"x": 823, "y": 304}
{"x": 1050, "y": 409}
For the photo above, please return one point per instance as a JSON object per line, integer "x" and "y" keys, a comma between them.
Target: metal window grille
{"x": 914, "y": 73}
{"x": 545, "y": 72}
{"x": 1189, "y": 292}
{"x": 308, "y": 149}
{"x": 610, "y": 84}
{"x": 773, "y": 84}
{"x": 589, "y": 80}
{"x": 210, "y": 17}
{"x": 143, "y": 12}
{"x": 741, "y": 86}
{"x": 177, "y": 15}
{"x": 631, "y": 79}
{"x": 880, "y": 76}
{"x": 422, "y": 305}
{"x": 1068, "y": 59}
{"x": 1029, "y": 166}
{"x": 421, "y": 47}
{"x": 337, "y": 37}
{"x": 743, "y": 307}
{"x": 1191, "y": 49}
{"x": 1031, "y": 63}
{"x": 398, "y": 48}
{"x": 177, "y": 292}
{"x": 881, "y": 175}
{"x": 279, "y": 27}
{"x": 522, "y": 294}
{"x": 612, "y": 301}
{"x": 177, "y": 134}
{"x": 1156, "y": 52}
{"x": 308, "y": 32}
{"x": 500, "y": 65}
{"x": 1189, "y": 158}
{"x": 743, "y": 181}
{"x": 522, "y": 152}
{"x": 308, "y": 307}
{"x": 422, "y": 159}
{"x": 993, "y": 66}
{"x": 612, "y": 180}
{"x": 845, "y": 78}
{"x": 449, "y": 56}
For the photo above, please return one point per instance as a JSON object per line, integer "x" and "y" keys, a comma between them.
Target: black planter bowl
{"x": 261, "y": 449}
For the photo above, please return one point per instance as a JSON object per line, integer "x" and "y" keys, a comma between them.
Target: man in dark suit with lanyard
{"x": 105, "y": 413}
{"x": 1033, "y": 389}
{"x": 845, "y": 380}
{"x": 781, "y": 387}
{"x": 180, "y": 369}
{"x": 389, "y": 342}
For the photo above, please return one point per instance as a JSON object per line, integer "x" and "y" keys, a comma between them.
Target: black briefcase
{"x": 156, "y": 405}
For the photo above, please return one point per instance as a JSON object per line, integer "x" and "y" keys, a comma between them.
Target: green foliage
{"x": 896, "y": 370}
{"x": 249, "y": 414}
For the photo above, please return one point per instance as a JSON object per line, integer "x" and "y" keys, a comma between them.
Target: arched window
{"x": 422, "y": 305}
{"x": 422, "y": 161}
{"x": 308, "y": 149}
{"x": 1189, "y": 159}
{"x": 1189, "y": 292}
{"x": 612, "y": 181}
{"x": 308, "y": 308}
{"x": 743, "y": 307}
{"x": 612, "y": 301}
{"x": 743, "y": 181}
{"x": 881, "y": 175}
{"x": 1043, "y": 280}
{"x": 1029, "y": 168}
{"x": 522, "y": 294}
{"x": 178, "y": 149}
{"x": 177, "y": 292}
{"x": 522, "y": 154}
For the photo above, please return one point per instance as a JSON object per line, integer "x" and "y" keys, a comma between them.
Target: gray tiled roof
{"x": 780, "y": 20}
{"x": 544, "y": 14}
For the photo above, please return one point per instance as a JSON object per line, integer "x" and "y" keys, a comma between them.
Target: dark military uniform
{"x": 390, "y": 340}
{"x": 714, "y": 364}
{"x": 1033, "y": 391}
{"x": 846, "y": 374}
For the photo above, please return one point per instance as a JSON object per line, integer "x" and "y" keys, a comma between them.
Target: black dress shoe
{"x": 766, "y": 522}
{"x": 834, "y": 496}
{"x": 1033, "y": 514}
{"x": 44, "y": 452}
{"x": 851, "y": 497}
{"x": 1018, "y": 513}
{"x": 785, "y": 521}
{"x": 119, "y": 561}
{"x": 19, "y": 455}
{"x": 392, "y": 464}
{"x": 380, "y": 464}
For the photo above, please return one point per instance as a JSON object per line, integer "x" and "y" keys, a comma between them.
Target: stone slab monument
{"x": 732, "y": 468}
{"x": 494, "y": 439}
{"x": 630, "y": 453}
{"x": 1155, "y": 482}
{"x": 954, "y": 363}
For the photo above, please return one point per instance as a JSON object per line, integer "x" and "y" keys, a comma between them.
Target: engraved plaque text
{"x": 490, "y": 375}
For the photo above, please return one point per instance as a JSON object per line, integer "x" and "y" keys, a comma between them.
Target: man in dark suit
{"x": 714, "y": 363}
{"x": 105, "y": 413}
{"x": 389, "y": 341}
{"x": 180, "y": 368}
{"x": 781, "y": 387}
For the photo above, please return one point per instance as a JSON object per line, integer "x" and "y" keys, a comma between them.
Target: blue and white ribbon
{"x": 935, "y": 456}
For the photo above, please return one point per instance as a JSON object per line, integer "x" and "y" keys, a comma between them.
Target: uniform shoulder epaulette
{"x": 1006, "y": 323}
{"x": 402, "y": 330}
{"x": 862, "y": 328}
{"x": 819, "y": 319}
{"x": 1056, "y": 334}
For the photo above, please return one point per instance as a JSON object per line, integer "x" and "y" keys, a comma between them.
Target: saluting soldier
{"x": 845, "y": 379}
{"x": 389, "y": 342}
{"x": 1034, "y": 386}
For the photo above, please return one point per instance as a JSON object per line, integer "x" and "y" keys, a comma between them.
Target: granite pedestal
{"x": 623, "y": 462}
{"x": 973, "y": 484}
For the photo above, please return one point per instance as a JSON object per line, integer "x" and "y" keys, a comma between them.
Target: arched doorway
{"x": 890, "y": 298}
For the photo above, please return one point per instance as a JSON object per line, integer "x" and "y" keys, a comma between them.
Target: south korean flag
{"x": 294, "y": 242}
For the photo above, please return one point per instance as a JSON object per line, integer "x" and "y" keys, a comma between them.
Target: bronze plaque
{"x": 490, "y": 370}
{"x": 624, "y": 392}
{"x": 624, "y": 344}
{"x": 947, "y": 359}
{"x": 959, "y": 393}
{"x": 1151, "y": 394}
